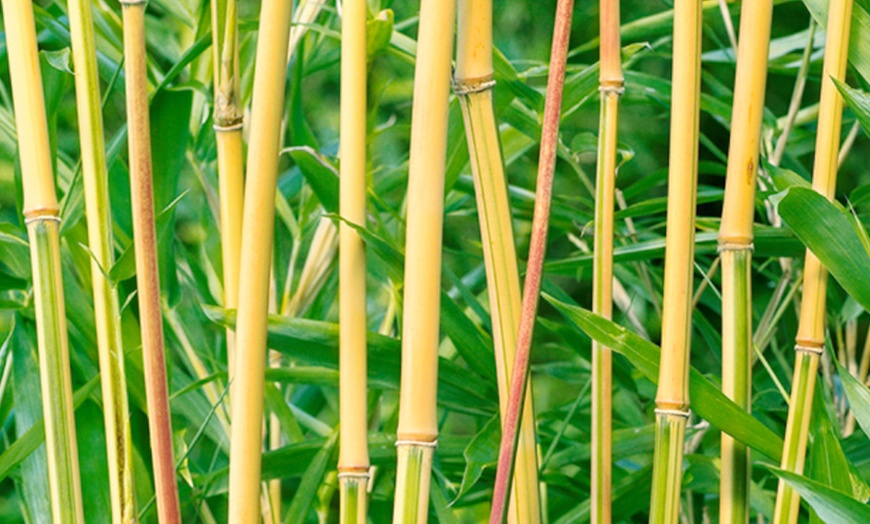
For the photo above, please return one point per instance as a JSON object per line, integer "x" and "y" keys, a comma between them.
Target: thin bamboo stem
{"x": 147, "y": 278}
{"x": 611, "y": 87}
{"x": 417, "y": 431}
{"x": 353, "y": 460}
{"x": 106, "y": 306}
{"x": 473, "y": 83}
{"x": 810, "y": 340}
{"x": 535, "y": 265}
{"x": 256, "y": 262}
{"x": 735, "y": 245}
{"x": 42, "y": 218}
{"x": 228, "y": 123}
{"x": 672, "y": 397}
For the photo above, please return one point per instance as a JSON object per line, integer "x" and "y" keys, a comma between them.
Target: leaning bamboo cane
{"x": 473, "y": 83}
{"x": 735, "y": 247}
{"x": 611, "y": 87}
{"x": 228, "y": 124}
{"x": 256, "y": 261}
{"x": 672, "y": 398}
{"x": 106, "y": 307}
{"x": 353, "y": 459}
{"x": 418, "y": 430}
{"x": 147, "y": 278}
{"x": 810, "y": 340}
{"x": 42, "y": 218}
{"x": 535, "y": 266}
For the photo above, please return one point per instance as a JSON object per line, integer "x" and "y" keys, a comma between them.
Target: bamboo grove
{"x": 449, "y": 261}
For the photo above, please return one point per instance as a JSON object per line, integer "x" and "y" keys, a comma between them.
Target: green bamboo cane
{"x": 672, "y": 397}
{"x": 256, "y": 261}
{"x": 147, "y": 278}
{"x": 735, "y": 246}
{"x": 106, "y": 307}
{"x": 418, "y": 430}
{"x": 611, "y": 87}
{"x": 810, "y": 340}
{"x": 42, "y": 218}
{"x": 473, "y": 83}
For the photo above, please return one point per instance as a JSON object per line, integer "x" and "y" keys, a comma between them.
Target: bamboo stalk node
{"x": 41, "y": 215}
{"x": 811, "y": 348}
{"x": 615, "y": 86}
{"x": 419, "y": 443}
{"x": 673, "y": 412}
{"x": 132, "y": 2}
{"x": 735, "y": 245}
{"x": 356, "y": 474}
{"x": 468, "y": 86}
{"x": 226, "y": 128}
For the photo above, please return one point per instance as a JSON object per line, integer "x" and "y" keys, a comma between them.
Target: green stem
{"x": 353, "y": 498}
{"x": 667, "y": 467}
{"x": 736, "y": 378}
{"x": 412, "y": 482}
{"x": 54, "y": 370}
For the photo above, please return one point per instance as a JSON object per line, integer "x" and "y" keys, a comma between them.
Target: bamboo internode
{"x": 473, "y": 83}
{"x": 810, "y": 339}
{"x": 735, "y": 247}
{"x": 672, "y": 397}
{"x": 147, "y": 279}
{"x": 256, "y": 261}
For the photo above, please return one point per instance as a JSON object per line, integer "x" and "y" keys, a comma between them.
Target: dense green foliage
{"x": 304, "y": 395}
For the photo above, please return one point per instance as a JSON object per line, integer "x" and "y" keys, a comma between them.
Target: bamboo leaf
{"x": 320, "y": 174}
{"x": 859, "y": 52}
{"x": 831, "y": 505}
{"x": 829, "y": 233}
{"x": 858, "y": 395}
{"x": 707, "y": 401}
{"x": 311, "y": 481}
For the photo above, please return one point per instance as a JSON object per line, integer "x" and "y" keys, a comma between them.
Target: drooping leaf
{"x": 830, "y": 504}
{"x": 706, "y": 399}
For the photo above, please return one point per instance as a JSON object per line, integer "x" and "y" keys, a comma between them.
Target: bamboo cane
{"x": 473, "y": 83}
{"x": 735, "y": 247}
{"x": 810, "y": 340}
{"x": 611, "y": 87}
{"x": 353, "y": 459}
{"x": 228, "y": 123}
{"x": 42, "y": 218}
{"x": 535, "y": 265}
{"x": 106, "y": 306}
{"x": 672, "y": 398}
{"x": 256, "y": 261}
{"x": 147, "y": 278}
{"x": 417, "y": 431}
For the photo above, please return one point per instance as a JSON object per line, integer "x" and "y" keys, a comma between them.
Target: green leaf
{"x": 481, "y": 452}
{"x": 859, "y": 102}
{"x": 829, "y": 233}
{"x": 60, "y": 59}
{"x": 859, "y": 52}
{"x": 320, "y": 173}
{"x": 707, "y": 401}
{"x": 831, "y": 505}
{"x": 311, "y": 481}
{"x": 379, "y": 30}
{"x": 858, "y": 395}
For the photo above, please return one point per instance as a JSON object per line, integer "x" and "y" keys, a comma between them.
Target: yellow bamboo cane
{"x": 473, "y": 83}
{"x": 147, "y": 278}
{"x": 611, "y": 87}
{"x": 256, "y": 260}
{"x": 672, "y": 397}
{"x": 418, "y": 431}
{"x": 106, "y": 306}
{"x": 810, "y": 340}
{"x": 42, "y": 218}
{"x": 353, "y": 460}
{"x": 735, "y": 247}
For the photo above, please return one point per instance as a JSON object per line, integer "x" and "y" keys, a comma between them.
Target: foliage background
{"x": 305, "y": 397}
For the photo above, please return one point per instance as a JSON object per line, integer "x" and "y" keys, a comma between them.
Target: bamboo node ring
{"x": 232, "y": 127}
{"x": 615, "y": 88}
{"x": 813, "y": 350}
{"x": 674, "y": 412}
{"x": 132, "y": 2}
{"x": 735, "y": 246}
{"x": 354, "y": 474}
{"x": 477, "y": 85}
{"x": 420, "y": 443}
{"x": 41, "y": 217}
